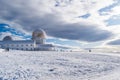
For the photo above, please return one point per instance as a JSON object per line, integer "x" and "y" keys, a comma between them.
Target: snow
{"x": 43, "y": 65}
{"x": 1, "y": 50}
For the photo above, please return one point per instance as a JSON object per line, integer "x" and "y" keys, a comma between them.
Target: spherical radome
{"x": 7, "y": 38}
{"x": 38, "y": 33}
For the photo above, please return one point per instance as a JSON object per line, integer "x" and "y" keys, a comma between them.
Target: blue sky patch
{"x": 7, "y": 28}
{"x": 114, "y": 20}
{"x": 109, "y": 8}
{"x": 85, "y": 16}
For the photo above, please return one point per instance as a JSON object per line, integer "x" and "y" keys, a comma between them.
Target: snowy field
{"x": 25, "y": 65}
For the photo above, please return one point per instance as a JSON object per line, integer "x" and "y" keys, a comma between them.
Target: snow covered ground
{"x": 25, "y": 65}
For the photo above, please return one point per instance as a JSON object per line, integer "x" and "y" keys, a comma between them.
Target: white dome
{"x": 7, "y": 38}
{"x": 38, "y": 33}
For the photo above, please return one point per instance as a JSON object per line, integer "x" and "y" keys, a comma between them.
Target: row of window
{"x": 28, "y": 49}
{"x": 18, "y": 45}
{"x": 23, "y": 49}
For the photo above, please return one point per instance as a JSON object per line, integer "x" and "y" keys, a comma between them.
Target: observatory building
{"x": 37, "y": 43}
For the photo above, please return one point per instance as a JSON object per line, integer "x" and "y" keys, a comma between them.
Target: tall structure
{"x": 39, "y": 36}
{"x": 37, "y": 43}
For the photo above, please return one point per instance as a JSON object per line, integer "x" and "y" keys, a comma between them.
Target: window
{"x": 17, "y": 49}
{"x": 7, "y": 45}
{"x": 12, "y": 45}
{"x": 17, "y": 45}
{"x": 22, "y": 45}
{"x": 26, "y": 48}
{"x": 26, "y": 44}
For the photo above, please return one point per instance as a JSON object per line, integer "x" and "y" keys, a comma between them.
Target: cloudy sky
{"x": 74, "y": 23}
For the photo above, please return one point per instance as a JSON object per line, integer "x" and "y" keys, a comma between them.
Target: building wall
{"x": 30, "y": 46}
{"x": 18, "y": 46}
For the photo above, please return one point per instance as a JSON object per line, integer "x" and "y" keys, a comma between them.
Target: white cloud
{"x": 27, "y": 15}
{"x": 115, "y": 11}
{"x": 115, "y": 29}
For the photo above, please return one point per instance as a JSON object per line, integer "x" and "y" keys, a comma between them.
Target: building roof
{"x": 17, "y": 41}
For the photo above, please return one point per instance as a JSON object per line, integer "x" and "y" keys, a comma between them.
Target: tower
{"x": 39, "y": 36}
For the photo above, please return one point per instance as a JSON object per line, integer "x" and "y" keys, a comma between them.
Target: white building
{"x": 37, "y": 43}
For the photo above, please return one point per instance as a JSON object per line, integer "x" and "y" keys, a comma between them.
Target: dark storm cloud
{"x": 115, "y": 42}
{"x": 81, "y": 31}
{"x": 24, "y": 14}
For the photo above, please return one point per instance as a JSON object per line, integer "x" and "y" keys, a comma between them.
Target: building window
{"x": 26, "y": 48}
{"x": 7, "y": 45}
{"x": 17, "y": 45}
{"x": 12, "y": 45}
{"x": 26, "y": 44}
{"x": 22, "y": 45}
{"x": 17, "y": 49}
